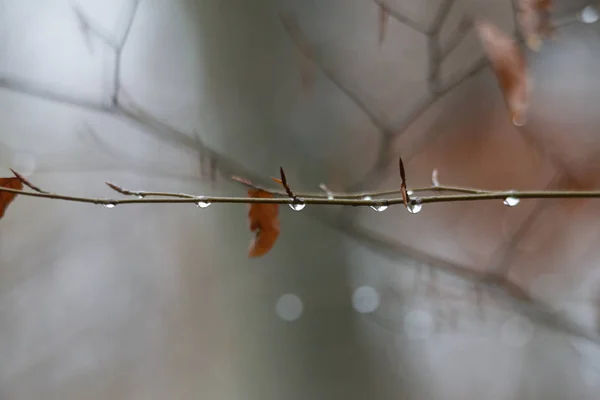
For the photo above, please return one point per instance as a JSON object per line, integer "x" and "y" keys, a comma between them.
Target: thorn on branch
{"x": 283, "y": 181}
{"x": 404, "y": 192}
{"x": 119, "y": 189}
{"x": 434, "y": 178}
{"x": 26, "y": 182}
{"x": 328, "y": 191}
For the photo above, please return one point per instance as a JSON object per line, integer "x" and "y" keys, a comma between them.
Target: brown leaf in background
{"x": 508, "y": 63}
{"x": 5, "y": 197}
{"x": 533, "y": 17}
{"x": 264, "y": 220}
{"x": 384, "y": 16}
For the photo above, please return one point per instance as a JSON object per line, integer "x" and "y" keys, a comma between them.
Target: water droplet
{"x": 379, "y": 207}
{"x": 511, "y": 201}
{"x": 109, "y": 205}
{"x": 330, "y": 197}
{"x": 414, "y": 206}
{"x": 140, "y": 196}
{"x": 589, "y": 15}
{"x": 367, "y": 198}
{"x": 409, "y": 192}
{"x": 289, "y": 307}
{"x": 365, "y": 299}
{"x": 203, "y": 204}
{"x": 297, "y": 206}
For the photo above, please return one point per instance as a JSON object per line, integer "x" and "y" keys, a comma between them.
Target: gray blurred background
{"x": 161, "y": 301}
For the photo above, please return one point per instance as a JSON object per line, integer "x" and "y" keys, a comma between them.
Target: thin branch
{"x": 143, "y": 194}
{"x": 297, "y": 37}
{"x": 89, "y": 26}
{"x": 341, "y": 200}
{"x": 433, "y": 79}
{"x": 119, "y": 54}
{"x": 25, "y": 182}
{"x": 464, "y": 27}
{"x": 283, "y": 181}
{"x": 440, "y": 16}
{"x": 30, "y": 89}
{"x": 401, "y": 18}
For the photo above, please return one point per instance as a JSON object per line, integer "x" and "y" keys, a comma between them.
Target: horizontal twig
{"x": 355, "y": 200}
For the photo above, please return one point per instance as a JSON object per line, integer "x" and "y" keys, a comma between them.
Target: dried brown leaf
{"x": 264, "y": 221}
{"x": 6, "y": 197}
{"x": 508, "y": 64}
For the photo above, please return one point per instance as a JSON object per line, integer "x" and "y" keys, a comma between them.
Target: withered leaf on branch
{"x": 264, "y": 221}
{"x": 533, "y": 17}
{"x": 5, "y": 197}
{"x": 508, "y": 64}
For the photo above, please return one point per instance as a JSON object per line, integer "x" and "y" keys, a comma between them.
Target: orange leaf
{"x": 508, "y": 64}
{"x": 264, "y": 220}
{"x": 5, "y": 197}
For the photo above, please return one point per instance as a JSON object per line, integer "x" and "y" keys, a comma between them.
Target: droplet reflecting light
{"x": 380, "y": 207}
{"x": 414, "y": 206}
{"x": 289, "y": 307}
{"x": 203, "y": 204}
{"x": 109, "y": 205}
{"x": 297, "y": 206}
{"x": 589, "y": 15}
{"x": 365, "y": 299}
{"x": 511, "y": 201}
